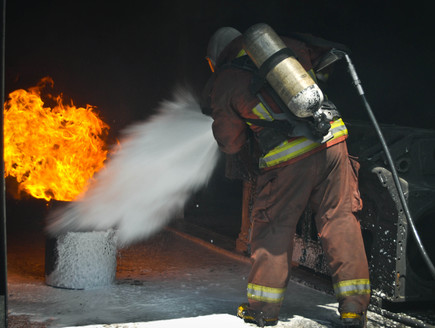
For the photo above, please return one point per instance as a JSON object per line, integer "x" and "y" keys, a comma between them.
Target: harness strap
{"x": 279, "y": 125}
{"x": 274, "y": 60}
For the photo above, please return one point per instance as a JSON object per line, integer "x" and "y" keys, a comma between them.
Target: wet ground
{"x": 174, "y": 279}
{"x": 167, "y": 277}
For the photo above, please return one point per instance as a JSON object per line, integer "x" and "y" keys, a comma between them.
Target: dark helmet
{"x": 218, "y": 42}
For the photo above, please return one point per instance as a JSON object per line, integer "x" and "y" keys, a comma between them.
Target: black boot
{"x": 253, "y": 316}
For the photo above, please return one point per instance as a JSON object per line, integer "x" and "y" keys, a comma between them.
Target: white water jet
{"x": 160, "y": 163}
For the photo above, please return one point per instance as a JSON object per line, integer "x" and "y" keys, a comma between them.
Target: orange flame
{"x": 52, "y": 152}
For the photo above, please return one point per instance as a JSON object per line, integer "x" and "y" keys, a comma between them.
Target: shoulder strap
{"x": 276, "y": 124}
{"x": 243, "y": 62}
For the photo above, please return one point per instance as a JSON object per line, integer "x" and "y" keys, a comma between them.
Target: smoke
{"x": 147, "y": 181}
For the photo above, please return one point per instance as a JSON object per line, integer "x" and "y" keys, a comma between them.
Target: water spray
{"x": 160, "y": 163}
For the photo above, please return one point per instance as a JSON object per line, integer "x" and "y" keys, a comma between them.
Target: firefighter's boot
{"x": 253, "y": 316}
{"x": 354, "y": 320}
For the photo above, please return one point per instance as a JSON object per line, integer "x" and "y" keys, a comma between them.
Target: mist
{"x": 152, "y": 173}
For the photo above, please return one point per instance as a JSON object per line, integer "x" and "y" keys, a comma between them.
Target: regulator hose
{"x": 415, "y": 234}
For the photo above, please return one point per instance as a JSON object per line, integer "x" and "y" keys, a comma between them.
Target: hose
{"x": 360, "y": 90}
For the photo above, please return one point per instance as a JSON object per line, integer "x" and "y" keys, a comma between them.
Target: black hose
{"x": 398, "y": 317}
{"x": 357, "y": 84}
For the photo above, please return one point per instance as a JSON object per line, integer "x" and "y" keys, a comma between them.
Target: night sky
{"x": 125, "y": 57}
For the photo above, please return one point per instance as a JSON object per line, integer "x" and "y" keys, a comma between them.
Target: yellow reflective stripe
{"x": 350, "y": 315}
{"x": 352, "y": 287}
{"x": 261, "y": 111}
{"x": 265, "y": 294}
{"x": 338, "y": 128}
{"x": 241, "y": 53}
{"x": 289, "y": 150}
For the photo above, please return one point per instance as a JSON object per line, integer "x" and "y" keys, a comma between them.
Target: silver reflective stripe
{"x": 338, "y": 128}
{"x": 265, "y": 294}
{"x": 352, "y": 287}
{"x": 289, "y": 150}
{"x": 262, "y": 112}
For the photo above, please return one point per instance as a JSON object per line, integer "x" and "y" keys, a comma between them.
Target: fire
{"x": 52, "y": 152}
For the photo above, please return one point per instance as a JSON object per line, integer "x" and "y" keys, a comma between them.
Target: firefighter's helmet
{"x": 218, "y": 42}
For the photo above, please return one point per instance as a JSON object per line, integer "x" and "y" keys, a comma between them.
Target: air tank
{"x": 288, "y": 78}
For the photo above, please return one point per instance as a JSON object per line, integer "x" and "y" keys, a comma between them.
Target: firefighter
{"x": 292, "y": 170}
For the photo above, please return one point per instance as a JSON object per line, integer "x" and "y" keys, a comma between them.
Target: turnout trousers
{"x": 328, "y": 182}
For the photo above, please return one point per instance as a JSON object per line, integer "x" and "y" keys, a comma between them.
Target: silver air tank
{"x": 288, "y": 78}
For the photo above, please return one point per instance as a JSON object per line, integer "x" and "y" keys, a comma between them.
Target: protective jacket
{"x": 229, "y": 126}
{"x": 297, "y": 173}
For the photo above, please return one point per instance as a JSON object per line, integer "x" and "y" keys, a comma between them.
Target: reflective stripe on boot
{"x": 256, "y": 317}
{"x": 350, "y": 319}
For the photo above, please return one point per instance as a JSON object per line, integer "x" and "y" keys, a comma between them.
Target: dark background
{"x": 125, "y": 57}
